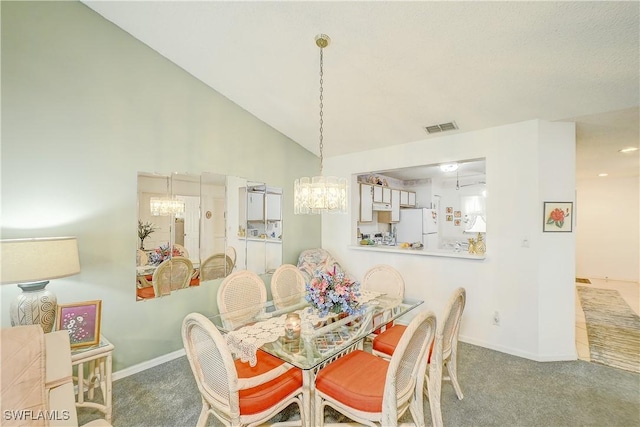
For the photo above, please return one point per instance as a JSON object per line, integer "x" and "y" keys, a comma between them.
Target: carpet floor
{"x": 613, "y": 329}
{"x": 499, "y": 390}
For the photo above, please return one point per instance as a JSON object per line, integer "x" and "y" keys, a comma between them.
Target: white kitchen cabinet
{"x": 255, "y": 206}
{"x": 412, "y": 199}
{"x": 386, "y": 195}
{"x": 395, "y": 205}
{"x": 377, "y": 194}
{"x": 256, "y": 256}
{"x": 366, "y": 203}
{"x": 404, "y": 198}
{"x": 273, "y": 256}
{"x": 274, "y": 207}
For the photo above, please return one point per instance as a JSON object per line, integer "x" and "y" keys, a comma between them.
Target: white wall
{"x": 532, "y": 293}
{"x": 84, "y": 108}
{"x": 608, "y": 233}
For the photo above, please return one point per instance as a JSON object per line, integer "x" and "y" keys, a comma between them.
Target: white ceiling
{"x": 394, "y": 67}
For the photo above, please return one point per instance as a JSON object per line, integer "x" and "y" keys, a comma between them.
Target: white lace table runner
{"x": 246, "y": 341}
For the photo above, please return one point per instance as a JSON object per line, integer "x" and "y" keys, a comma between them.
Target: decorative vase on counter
{"x": 34, "y": 305}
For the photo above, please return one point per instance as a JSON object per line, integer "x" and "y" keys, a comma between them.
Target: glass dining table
{"x": 320, "y": 340}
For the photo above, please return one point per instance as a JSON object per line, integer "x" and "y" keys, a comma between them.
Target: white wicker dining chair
{"x": 181, "y": 250}
{"x": 233, "y": 399}
{"x": 443, "y": 355}
{"x": 216, "y": 266}
{"x": 171, "y": 275}
{"x": 141, "y": 258}
{"x": 386, "y": 280}
{"x": 287, "y": 286}
{"x": 241, "y": 296}
{"x": 231, "y": 253}
{"x": 375, "y": 391}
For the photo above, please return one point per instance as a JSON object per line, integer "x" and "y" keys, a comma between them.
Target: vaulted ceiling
{"x": 394, "y": 67}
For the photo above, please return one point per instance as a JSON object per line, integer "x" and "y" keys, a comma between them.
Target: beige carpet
{"x": 613, "y": 329}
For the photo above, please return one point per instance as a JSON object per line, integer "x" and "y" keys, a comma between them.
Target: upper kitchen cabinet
{"x": 366, "y": 202}
{"x": 274, "y": 205}
{"x": 393, "y": 215}
{"x": 407, "y": 199}
{"x": 255, "y": 205}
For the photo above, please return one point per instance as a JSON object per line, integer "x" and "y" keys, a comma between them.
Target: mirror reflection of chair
{"x": 287, "y": 286}
{"x": 141, "y": 258}
{"x": 241, "y": 296}
{"x": 444, "y": 352}
{"x": 231, "y": 253}
{"x": 179, "y": 250}
{"x": 229, "y": 391}
{"x": 171, "y": 275}
{"x": 215, "y": 266}
{"x": 370, "y": 389}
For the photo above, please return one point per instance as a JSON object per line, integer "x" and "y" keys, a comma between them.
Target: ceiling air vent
{"x": 442, "y": 127}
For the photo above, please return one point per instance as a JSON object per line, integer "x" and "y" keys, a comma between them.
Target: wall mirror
{"x": 207, "y": 224}
{"x": 454, "y": 193}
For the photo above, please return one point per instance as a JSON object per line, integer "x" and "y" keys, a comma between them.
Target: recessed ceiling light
{"x": 603, "y": 174}
{"x": 628, "y": 150}
{"x": 449, "y": 167}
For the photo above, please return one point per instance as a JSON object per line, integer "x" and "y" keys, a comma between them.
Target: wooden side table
{"x": 99, "y": 360}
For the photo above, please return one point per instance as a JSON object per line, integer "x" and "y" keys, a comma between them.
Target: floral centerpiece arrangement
{"x": 144, "y": 230}
{"x": 162, "y": 253}
{"x": 333, "y": 292}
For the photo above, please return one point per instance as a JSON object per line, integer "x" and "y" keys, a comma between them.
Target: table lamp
{"x": 32, "y": 263}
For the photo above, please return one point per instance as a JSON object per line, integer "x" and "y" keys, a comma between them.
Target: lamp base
{"x": 35, "y": 305}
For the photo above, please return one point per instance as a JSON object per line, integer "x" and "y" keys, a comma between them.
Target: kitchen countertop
{"x": 422, "y": 252}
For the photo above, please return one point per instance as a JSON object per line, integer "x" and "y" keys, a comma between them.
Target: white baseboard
{"x": 519, "y": 353}
{"x": 148, "y": 364}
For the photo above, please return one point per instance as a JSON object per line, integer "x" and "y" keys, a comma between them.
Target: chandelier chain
{"x": 321, "y": 108}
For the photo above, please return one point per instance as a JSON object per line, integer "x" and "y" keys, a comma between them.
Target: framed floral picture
{"x": 82, "y": 321}
{"x": 558, "y": 217}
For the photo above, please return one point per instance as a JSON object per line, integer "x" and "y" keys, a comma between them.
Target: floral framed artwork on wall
{"x": 82, "y": 321}
{"x": 558, "y": 217}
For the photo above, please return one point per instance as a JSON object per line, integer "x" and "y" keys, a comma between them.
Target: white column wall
{"x": 510, "y": 279}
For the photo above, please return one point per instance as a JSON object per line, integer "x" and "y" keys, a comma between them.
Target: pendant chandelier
{"x": 320, "y": 194}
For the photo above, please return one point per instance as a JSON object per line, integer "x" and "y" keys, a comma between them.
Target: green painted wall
{"x": 85, "y": 107}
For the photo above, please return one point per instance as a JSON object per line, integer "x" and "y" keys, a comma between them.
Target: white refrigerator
{"x": 418, "y": 225}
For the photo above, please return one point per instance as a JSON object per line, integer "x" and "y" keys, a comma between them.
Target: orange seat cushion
{"x": 147, "y": 292}
{"x": 264, "y": 396}
{"x": 265, "y": 363}
{"x": 357, "y": 380}
{"x": 387, "y": 341}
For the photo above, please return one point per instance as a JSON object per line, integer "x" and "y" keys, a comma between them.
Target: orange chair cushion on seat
{"x": 147, "y": 292}
{"x": 387, "y": 341}
{"x": 264, "y": 396}
{"x": 265, "y": 363}
{"x": 356, "y": 380}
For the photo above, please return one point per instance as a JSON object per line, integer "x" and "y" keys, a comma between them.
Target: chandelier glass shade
{"x": 165, "y": 207}
{"x": 320, "y": 194}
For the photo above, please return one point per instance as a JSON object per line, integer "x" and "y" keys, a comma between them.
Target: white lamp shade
{"x": 34, "y": 260}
